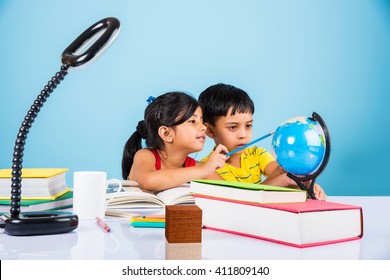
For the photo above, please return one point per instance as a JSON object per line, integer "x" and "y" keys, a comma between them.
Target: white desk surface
{"x": 124, "y": 242}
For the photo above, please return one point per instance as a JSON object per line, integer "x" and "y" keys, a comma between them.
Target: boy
{"x": 228, "y": 117}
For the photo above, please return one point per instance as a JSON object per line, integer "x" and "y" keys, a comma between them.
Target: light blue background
{"x": 292, "y": 57}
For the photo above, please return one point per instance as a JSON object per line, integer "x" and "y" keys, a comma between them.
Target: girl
{"x": 173, "y": 128}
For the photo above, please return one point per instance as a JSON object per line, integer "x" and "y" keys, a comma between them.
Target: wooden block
{"x": 183, "y": 251}
{"x": 183, "y": 224}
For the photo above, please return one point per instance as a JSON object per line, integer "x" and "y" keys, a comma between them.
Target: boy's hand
{"x": 319, "y": 192}
{"x": 284, "y": 181}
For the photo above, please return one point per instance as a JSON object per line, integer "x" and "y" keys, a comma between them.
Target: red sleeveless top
{"x": 188, "y": 162}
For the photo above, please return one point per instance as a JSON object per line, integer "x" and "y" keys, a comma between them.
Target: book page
{"x": 135, "y": 197}
{"x": 177, "y": 195}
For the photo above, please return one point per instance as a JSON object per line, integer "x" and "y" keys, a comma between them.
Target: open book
{"x": 133, "y": 199}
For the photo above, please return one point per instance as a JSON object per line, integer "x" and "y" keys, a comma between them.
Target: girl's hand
{"x": 216, "y": 159}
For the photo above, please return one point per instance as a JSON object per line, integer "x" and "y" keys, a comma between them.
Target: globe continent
{"x": 299, "y": 145}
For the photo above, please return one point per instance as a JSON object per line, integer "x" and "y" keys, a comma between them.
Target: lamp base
{"x": 40, "y": 223}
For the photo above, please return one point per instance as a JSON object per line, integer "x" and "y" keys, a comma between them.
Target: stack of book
{"x": 275, "y": 214}
{"x": 43, "y": 189}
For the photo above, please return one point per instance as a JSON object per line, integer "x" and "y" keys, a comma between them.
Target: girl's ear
{"x": 165, "y": 133}
{"x": 209, "y": 130}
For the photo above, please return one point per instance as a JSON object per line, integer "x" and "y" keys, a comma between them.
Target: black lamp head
{"x": 81, "y": 52}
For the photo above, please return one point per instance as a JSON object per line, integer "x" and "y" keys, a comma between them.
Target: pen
{"x": 103, "y": 224}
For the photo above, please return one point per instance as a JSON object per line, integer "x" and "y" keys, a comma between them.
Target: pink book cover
{"x": 311, "y": 205}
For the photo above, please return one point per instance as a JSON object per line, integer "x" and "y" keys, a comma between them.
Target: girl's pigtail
{"x": 133, "y": 144}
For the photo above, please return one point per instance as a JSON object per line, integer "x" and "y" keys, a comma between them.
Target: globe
{"x": 299, "y": 145}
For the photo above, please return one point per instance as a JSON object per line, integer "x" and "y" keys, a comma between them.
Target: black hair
{"x": 217, "y": 99}
{"x": 169, "y": 109}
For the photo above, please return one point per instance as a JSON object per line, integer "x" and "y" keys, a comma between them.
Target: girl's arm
{"x": 214, "y": 176}
{"x": 144, "y": 172}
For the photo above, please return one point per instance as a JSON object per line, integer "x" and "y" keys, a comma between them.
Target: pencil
{"x": 249, "y": 144}
{"x": 102, "y": 224}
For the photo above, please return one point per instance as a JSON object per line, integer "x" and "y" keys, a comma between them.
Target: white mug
{"x": 89, "y": 193}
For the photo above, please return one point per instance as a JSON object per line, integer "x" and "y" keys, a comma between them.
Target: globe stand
{"x": 312, "y": 177}
{"x": 37, "y": 223}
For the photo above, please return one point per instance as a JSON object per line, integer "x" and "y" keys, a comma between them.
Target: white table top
{"x": 124, "y": 242}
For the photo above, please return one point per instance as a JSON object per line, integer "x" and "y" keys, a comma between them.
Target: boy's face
{"x": 232, "y": 131}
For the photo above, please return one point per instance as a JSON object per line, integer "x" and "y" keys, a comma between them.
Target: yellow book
{"x": 37, "y": 183}
{"x": 150, "y": 220}
{"x": 34, "y": 172}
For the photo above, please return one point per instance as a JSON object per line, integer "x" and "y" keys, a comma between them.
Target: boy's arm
{"x": 278, "y": 177}
{"x": 273, "y": 169}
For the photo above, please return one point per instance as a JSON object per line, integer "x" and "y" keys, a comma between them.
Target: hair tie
{"x": 150, "y": 99}
{"x": 141, "y": 129}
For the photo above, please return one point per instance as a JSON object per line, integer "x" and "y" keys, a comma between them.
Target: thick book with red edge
{"x": 301, "y": 225}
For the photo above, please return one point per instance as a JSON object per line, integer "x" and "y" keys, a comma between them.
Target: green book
{"x": 27, "y": 205}
{"x": 240, "y": 191}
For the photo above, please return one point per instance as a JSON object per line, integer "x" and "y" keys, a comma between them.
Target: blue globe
{"x": 299, "y": 145}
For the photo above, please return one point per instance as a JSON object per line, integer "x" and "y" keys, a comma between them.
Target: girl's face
{"x": 191, "y": 135}
{"x": 232, "y": 131}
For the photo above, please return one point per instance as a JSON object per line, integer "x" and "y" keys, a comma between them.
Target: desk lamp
{"x": 82, "y": 51}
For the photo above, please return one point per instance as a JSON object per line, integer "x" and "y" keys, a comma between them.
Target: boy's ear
{"x": 209, "y": 130}
{"x": 165, "y": 133}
